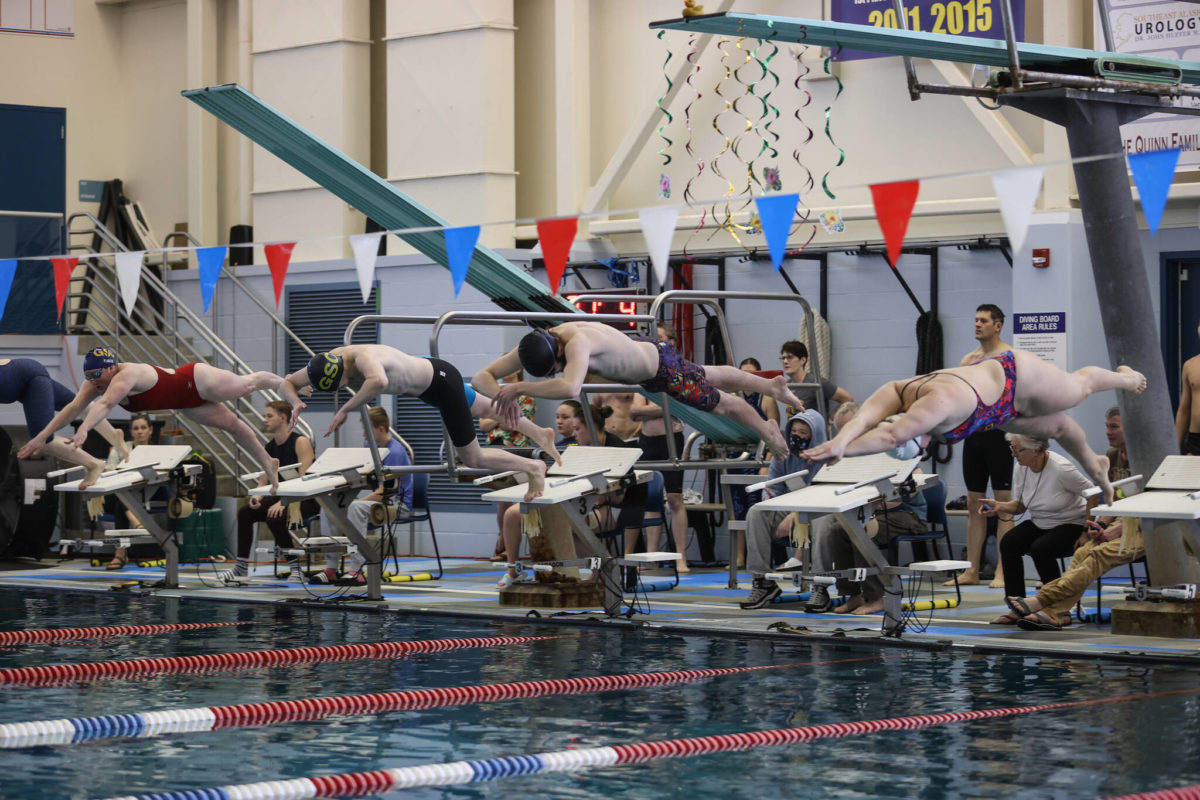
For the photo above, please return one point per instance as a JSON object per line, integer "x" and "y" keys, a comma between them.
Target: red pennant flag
{"x": 893, "y": 208}
{"x": 278, "y": 256}
{"x": 556, "y": 236}
{"x": 63, "y": 267}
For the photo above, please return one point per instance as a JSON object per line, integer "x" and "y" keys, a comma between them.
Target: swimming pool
{"x": 1146, "y": 743}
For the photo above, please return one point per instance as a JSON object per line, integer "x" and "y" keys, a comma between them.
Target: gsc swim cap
{"x": 325, "y": 371}
{"x": 99, "y": 358}
{"x": 537, "y": 355}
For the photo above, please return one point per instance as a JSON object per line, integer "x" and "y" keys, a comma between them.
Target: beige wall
{"x": 496, "y": 109}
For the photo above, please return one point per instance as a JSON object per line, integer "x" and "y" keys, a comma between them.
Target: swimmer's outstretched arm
{"x": 374, "y": 381}
{"x": 71, "y": 410}
{"x": 118, "y": 389}
{"x": 288, "y": 390}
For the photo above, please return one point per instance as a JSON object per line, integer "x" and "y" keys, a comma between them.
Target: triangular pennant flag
{"x": 658, "y": 228}
{"x": 210, "y": 259}
{"x": 129, "y": 278}
{"x": 1153, "y": 173}
{"x": 775, "y": 212}
{"x": 893, "y": 208}
{"x": 278, "y": 256}
{"x": 8, "y": 268}
{"x": 63, "y": 267}
{"x": 366, "y": 250}
{"x": 460, "y": 244}
{"x": 1017, "y": 190}
{"x": 556, "y": 236}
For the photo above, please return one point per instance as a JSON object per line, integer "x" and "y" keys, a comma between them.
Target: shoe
{"x": 326, "y": 576}
{"x": 508, "y": 579}
{"x": 791, "y": 565}
{"x": 118, "y": 562}
{"x": 296, "y": 576}
{"x": 230, "y": 577}
{"x": 818, "y": 600}
{"x": 355, "y": 578}
{"x": 762, "y": 593}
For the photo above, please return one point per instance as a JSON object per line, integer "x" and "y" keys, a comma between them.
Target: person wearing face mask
{"x": 804, "y": 430}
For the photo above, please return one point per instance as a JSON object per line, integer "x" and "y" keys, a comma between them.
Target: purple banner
{"x": 979, "y": 18}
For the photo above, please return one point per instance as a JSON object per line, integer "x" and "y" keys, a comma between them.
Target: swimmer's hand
{"x": 78, "y": 439}
{"x": 338, "y": 420}
{"x": 828, "y": 452}
{"x": 31, "y": 448}
{"x": 296, "y": 409}
{"x": 506, "y": 405}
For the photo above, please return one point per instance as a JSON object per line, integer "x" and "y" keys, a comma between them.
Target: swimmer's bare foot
{"x": 1137, "y": 381}
{"x": 273, "y": 475}
{"x": 777, "y": 445}
{"x": 997, "y": 582}
{"x": 681, "y": 566}
{"x": 91, "y": 474}
{"x": 537, "y": 480}
{"x": 544, "y": 438}
{"x": 850, "y": 606}
{"x": 873, "y": 607}
{"x": 781, "y": 392}
{"x": 968, "y": 577}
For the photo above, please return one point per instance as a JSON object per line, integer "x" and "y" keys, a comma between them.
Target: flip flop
{"x": 1040, "y": 622}
{"x": 1019, "y": 606}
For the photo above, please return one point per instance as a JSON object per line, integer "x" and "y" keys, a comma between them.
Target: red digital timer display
{"x": 608, "y": 307}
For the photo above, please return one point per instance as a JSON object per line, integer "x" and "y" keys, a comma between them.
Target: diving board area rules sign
{"x": 1043, "y": 333}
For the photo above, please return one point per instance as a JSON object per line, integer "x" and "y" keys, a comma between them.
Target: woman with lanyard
{"x": 1050, "y": 489}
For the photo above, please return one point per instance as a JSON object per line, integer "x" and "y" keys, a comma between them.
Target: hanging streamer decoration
{"x": 688, "y": 197}
{"x": 803, "y": 211}
{"x": 715, "y": 163}
{"x": 828, "y": 113}
{"x": 663, "y": 151}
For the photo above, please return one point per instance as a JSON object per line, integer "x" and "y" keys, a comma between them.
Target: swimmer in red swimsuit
{"x": 196, "y": 390}
{"x": 1026, "y": 396}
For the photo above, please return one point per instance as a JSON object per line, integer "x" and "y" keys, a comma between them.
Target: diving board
{"x": 489, "y": 272}
{"x": 913, "y": 44}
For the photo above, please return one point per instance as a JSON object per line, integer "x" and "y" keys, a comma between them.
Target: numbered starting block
{"x": 334, "y": 479}
{"x": 587, "y": 478}
{"x": 147, "y": 467}
{"x": 842, "y": 490}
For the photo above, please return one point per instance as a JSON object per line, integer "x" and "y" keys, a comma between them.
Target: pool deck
{"x": 702, "y": 603}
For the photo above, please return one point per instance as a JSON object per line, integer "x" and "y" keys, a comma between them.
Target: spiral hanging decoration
{"x": 688, "y": 197}
{"x": 803, "y": 211}
{"x": 828, "y": 109}
{"x": 669, "y": 119}
{"x": 715, "y": 163}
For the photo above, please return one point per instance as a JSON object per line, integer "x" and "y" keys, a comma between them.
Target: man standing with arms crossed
{"x": 1187, "y": 421}
{"x": 985, "y": 457}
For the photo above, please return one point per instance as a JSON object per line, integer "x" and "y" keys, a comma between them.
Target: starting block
{"x": 849, "y": 485}
{"x": 147, "y": 466}
{"x": 334, "y": 479}
{"x": 573, "y": 490}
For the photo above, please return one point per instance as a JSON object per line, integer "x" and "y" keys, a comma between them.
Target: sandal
{"x": 509, "y": 578}
{"x": 1005, "y": 619}
{"x": 1019, "y": 606}
{"x": 1041, "y": 621}
{"x": 118, "y": 561}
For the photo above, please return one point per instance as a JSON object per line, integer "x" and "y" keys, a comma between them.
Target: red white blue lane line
{"x": 356, "y": 784}
{"x": 192, "y": 720}
{"x": 63, "y": 634}
{"x": 98, "y": 670}
{"x": 1182, "y": 793}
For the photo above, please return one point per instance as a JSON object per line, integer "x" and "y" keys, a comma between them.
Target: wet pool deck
{"x": 702, "y": 603}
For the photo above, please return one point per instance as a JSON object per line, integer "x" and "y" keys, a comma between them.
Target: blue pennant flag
{"x": 8, "y": 268}
{"x": 460, "y": 245}
{"x": 1152, "y": 174}
{"x": 775, "y": 212}
{"x": 211, "y": 260}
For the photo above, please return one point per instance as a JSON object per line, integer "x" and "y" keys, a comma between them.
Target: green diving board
{"x": 916, "y": 44}
{"x": 497, "y": 277}
{"x": 490, "y": 273}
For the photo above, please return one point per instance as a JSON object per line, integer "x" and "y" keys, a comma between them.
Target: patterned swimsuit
{"x": 680, "y": 378}
{"x": 984, "y": 417}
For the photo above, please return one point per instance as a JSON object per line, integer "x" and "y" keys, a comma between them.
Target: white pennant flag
{"x": 129, "y": 278}
{"x": 658, "y": 228}
{"x": 366, "y": 250}
{"x": 1017, "y": 190}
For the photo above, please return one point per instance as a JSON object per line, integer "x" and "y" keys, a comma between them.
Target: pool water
{"x": 1093, "y": 751}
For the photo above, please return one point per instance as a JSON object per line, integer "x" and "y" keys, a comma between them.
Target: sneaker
{"x": 791, "y": 565}
{"x": 818, "y": 600}
{"x": 230, "y": 577}
{"x": 508, "y": 579}
{"x": 762, "y": 593}
{"x": 326, "y": 576}
{"x": 355, "y": 578}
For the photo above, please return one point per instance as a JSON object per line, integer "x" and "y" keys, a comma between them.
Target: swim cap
{"x": 325, "y": 371}
{"x": 99, "y": 358}
{"x": 537, "y": 355}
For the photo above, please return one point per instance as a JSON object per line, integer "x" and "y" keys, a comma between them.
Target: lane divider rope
{"x": 60, "y": 634}
{"x": 59, "y": 673}
{"x": 202, "y": 719}
{"x": 1182, "y": 793}
{"x": 357, "y": 784}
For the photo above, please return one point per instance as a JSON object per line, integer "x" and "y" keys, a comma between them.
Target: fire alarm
{"x": 1041, "y": 257}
